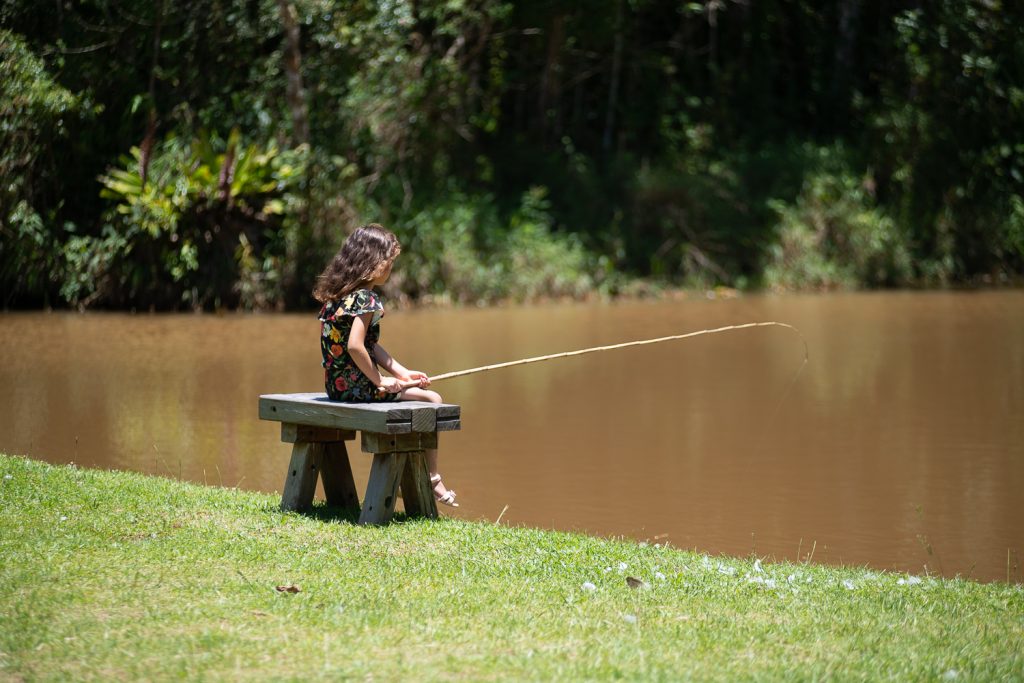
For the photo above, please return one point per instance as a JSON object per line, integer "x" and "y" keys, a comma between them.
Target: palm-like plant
{"x": 193, "y": 216}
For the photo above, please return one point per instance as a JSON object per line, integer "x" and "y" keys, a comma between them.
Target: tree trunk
{"x": 550, "y": 84}
{"x": 613, "y": 88}
{"x": 849, "y": 15}
{"x": 292, "y": 68}
{"x": 146, "y": 147}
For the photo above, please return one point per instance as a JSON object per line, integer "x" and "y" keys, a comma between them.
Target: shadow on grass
{"x": 330, "y": 513}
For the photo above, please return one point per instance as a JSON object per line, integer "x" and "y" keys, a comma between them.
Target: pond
{"x": 900, "y": 444}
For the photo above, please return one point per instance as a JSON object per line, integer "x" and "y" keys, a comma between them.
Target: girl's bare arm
{"x": 388, "y": 362}
{"x": 357, "y": 348}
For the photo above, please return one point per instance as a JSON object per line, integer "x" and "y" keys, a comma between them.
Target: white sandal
{"x": 449, "y": 496}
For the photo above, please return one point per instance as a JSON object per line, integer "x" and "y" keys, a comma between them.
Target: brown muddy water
{"x": 900, "y": 445}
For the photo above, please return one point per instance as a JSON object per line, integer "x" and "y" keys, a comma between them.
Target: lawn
{"x": 125, "y": 576}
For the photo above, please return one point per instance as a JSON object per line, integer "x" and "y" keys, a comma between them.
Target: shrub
{"x": 833, "y": 237}
{"x": 33, "y": 112}
{"x": 534, "y": 262}
{"x": 462, "y": 250}
{"x": 196, "y": 223}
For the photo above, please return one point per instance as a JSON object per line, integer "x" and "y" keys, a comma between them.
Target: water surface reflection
{"x": 903, "y": 433}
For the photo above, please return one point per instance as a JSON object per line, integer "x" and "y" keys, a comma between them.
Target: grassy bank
{"x": 118, "y": 575}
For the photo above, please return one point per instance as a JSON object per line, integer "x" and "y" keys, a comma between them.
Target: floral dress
{"x": 343, "y": 379}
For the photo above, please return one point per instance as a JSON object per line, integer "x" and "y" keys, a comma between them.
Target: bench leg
{"x": 382, "y": 488}
{"x": 416, "y": 490}
{"x": 300, "y": 485}
{"x": 339, "y": 485}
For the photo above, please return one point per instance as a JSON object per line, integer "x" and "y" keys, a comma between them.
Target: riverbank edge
{"x": 117, "y": 574}
{"x": 441, "y": 302}
{"x": 643, "y": 291}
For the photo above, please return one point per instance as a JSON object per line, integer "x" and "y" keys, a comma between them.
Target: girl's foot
{"x": 442, "y": 494}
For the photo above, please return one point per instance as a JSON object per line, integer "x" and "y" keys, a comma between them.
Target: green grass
{"x": 119, "y": 575}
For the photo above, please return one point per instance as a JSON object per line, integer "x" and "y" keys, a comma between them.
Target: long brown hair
{"x": 362, "y": 258}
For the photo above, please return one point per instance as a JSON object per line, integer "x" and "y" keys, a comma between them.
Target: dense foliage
{"x": 215, "y": 153}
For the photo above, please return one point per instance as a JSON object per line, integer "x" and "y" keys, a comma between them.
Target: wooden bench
{"x": 395, "y": 433}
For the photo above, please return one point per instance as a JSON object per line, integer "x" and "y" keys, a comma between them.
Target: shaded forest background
{"x": 214, "y": 153}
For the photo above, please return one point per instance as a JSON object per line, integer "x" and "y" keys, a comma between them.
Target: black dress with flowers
{"x": 343, "y": 379}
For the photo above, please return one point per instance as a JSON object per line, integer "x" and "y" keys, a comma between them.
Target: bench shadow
{"x": 330, "y": 513}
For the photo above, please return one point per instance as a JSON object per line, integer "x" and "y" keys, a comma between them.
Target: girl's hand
{"x": 417, "y": 376}
{"x": 389, "y": 385}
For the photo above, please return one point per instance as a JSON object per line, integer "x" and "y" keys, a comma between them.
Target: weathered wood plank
{"x": 424, "y": 419}
{"x": 417, "y": 494}
{"x": 293, "y": 433}
{"x": 447, "y": 411}
{"x": 397, "y": 443}
{"x": 382, "y": 488}
{"x": 448, "y": 418}
{"x": 386, "y": 418}
{"x": 316, "y": 410}
{"x": 300, "y": 484}
{"x": 336, "y": 472}
{"x": 448, "y": 425}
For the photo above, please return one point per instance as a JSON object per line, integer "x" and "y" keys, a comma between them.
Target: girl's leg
{"x": 417, "y": 394}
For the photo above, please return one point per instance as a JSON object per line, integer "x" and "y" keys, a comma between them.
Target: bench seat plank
{"x": 400, "y": 417}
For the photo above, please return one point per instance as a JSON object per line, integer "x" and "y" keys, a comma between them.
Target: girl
{"x": 350, "y": 330}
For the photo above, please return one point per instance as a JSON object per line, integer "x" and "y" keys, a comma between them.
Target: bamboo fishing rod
{"x": 611, "y": 347}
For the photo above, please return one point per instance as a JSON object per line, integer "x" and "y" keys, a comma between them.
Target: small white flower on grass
{"x": 623, "y": 567}
{"x": 607, "y": 569}
{"x": 791, "y": 578}
{"x": 589, "y": 587}
{"x": 909, "y": 581}
{"x": 659, "y": 576}
{"x": 767, "y": 583}
{"x": 757, "y": 566}
{"x": 848, "y": 585}
{"x": 657, "y": 545}
{"x": 630, "y": 618}
{"x": 950, "y": 675}
{"x": 728, "y": 571}
{"x": 8, "y": 476}
{"x": 63, "y": 518}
